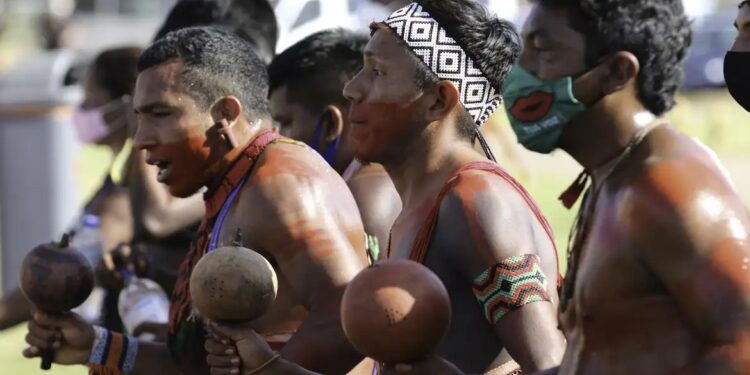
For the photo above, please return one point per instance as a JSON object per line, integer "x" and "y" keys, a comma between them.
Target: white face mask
{"x": 90, "y": 125}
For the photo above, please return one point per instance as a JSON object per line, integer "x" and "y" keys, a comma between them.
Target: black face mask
{"x": 737, "y": 76}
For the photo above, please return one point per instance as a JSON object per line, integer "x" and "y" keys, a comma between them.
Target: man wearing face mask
{"x": 305, "y": 99}
{"x": 737, "y": 61}
{"x": 657, "y": 280}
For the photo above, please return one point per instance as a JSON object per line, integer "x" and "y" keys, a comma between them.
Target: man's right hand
{"x": 69, "y": 336}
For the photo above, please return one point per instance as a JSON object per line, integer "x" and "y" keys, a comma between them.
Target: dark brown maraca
{"x": 233, "y": 284}
{"x": 395, "y": 311}
{"x": 56, "y": 278}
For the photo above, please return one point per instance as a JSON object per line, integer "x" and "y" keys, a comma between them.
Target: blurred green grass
{"x": 710, "y": 116}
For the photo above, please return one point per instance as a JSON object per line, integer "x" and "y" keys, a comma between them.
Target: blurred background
{"x": 42, "y": 41}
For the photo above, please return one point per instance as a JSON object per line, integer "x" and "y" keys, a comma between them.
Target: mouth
{"x": 164, "y": 166}
{"x": 532, "y": 107}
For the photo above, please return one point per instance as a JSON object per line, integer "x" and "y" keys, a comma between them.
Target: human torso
{"x": 247, "y": 215}
{"x": 251, "y": 212}
{"x": 471, "y": 343}
{"x": 621, "y": 318}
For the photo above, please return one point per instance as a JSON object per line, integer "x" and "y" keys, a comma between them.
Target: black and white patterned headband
{"x": 445, "y": 57}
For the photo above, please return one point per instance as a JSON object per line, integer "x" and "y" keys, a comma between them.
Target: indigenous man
{"x": 737, "y": 61}
{"x": 658, "y": 280}
{"x": 200, "y": 99}
{"x": 416, "y": 107}
{"x": 306, "y": 82}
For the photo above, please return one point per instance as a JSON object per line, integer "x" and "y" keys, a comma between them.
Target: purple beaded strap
{"x": 212, "y": 243}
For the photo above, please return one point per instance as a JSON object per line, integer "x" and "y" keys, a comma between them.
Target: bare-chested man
{"x": 659, "y": 274}
{"x": 201, "y": 102}
{"x": 416, "y": 107}
{"x": 306, "y": 81}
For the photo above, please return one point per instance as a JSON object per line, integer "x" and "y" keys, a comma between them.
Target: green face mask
{"x": 539, "y": 110}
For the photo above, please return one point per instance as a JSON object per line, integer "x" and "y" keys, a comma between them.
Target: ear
{"x": 444, "y": 98}
{"x": 227, "y": 109}
{"x": 623, "y": 68}
{"x": 333, "y": 123}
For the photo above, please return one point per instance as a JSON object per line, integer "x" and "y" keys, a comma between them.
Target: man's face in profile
{"x": 385, "y": 107}
{"x": 172, "y": 129}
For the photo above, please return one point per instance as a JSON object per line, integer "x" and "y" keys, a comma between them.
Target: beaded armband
{"x": 112, "y": 354}
{"x": 509, "y": 285}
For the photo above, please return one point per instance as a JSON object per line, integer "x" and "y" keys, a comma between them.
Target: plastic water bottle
{"x": 87, "y": 239}
{"x": 142, "y": 301}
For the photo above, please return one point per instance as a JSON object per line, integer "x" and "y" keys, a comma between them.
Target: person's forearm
{"x": 154, "y": 358}
{"x": 727, "y": 359}
{"x": 14, "y": 309}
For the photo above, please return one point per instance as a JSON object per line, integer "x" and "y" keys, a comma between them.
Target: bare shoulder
{"x": 371, "y": 180}
{"x": 683, "y": 194}
{"x": 486, "y": 195}
{"x": 679, "y": 176}
{"x": 494, "y": 214}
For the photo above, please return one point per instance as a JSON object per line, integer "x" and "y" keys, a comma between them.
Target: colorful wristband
{"x": 509, "y": 285}
{"x": 112, "y": 353}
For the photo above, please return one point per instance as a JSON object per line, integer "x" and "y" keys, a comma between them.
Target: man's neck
{"x": 243, "y": 133}
{"x": 428, "y": 162}
{"x": 602, "y": 133}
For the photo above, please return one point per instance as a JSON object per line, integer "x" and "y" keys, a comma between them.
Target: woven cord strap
{"x": 265, "y": 364}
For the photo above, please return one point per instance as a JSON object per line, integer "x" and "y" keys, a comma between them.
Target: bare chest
{"x": 608, "y": 273}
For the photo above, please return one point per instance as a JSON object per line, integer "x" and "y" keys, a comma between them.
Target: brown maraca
{"x": 395, "y": 311}
{"x": 56, "y": 278}
{"x": 233, "y": 284}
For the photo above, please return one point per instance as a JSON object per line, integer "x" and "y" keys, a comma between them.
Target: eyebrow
{"x": 149, "y": 108}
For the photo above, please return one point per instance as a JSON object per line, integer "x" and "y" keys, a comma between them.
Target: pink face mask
{"x": 90, "y": 125}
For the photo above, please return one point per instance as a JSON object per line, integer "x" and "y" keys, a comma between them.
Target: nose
{"x": 352, "y": 91}
{"x": 143, "y": 137}
{"x": 529, "y": 61}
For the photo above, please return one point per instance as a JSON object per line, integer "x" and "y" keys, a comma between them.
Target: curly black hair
{"x": 216, "y": 63}
{"x": 657, "y": 32}
{"x": 317, "y": 68}
{"x": 493, "y": 44}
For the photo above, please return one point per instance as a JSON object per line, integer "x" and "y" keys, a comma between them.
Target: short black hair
{"x": 493, "y": 44}
{"x": 657, "y": 32}
{"x": 325, "y": 61}
{"x": 216, "y": 63}
{"x": 116, "y": 70}
{"x": 253, "y": 20}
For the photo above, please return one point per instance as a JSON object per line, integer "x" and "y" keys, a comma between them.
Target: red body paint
{"x": 379, "y": 129}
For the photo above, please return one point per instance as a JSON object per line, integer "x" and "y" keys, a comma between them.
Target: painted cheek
{"x": 385, "y": 124}
{"x": 189, "y": 159}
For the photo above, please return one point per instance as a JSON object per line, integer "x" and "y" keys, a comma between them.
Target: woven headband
{"x": 445, "y": 57}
